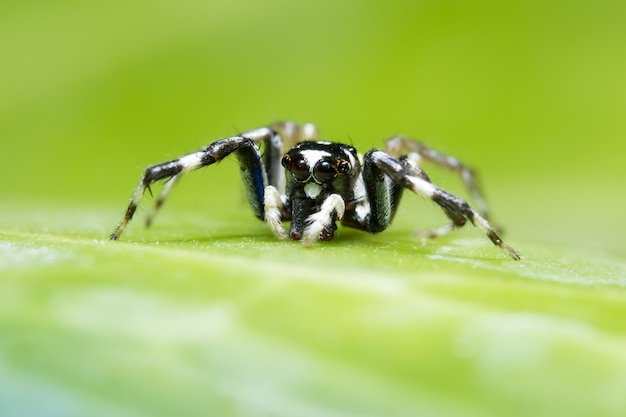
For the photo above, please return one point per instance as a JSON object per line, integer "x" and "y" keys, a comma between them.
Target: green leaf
{"x": 237, "y": 323}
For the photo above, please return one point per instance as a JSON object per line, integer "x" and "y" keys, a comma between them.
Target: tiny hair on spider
{"x": 314, "y": 184}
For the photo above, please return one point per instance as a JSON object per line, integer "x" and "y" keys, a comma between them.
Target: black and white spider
{"x": 315, "y": 184}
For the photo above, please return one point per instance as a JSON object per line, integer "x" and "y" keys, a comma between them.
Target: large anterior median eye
{"x": 300, "y": 169}
{"x": 324, "y": 172}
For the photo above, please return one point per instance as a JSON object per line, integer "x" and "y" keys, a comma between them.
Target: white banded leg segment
{"x": 332, "y": 208}
{"x": 154, "y": 173}
{"x": 258, "y": 135}
{"x": 417, "y": 152}
{"x": 309, "y": 131}
{"x": 427, "y": 189}
{"x": 191, "y": 161}
{"x": 459, "y": 211}
{"x": 274, "y": 209}
{"x": 421, "y": 187}
{"x": 484, "y": 225}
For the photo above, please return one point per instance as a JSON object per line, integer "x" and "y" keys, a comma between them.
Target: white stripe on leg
{"x": 273, "y": 212}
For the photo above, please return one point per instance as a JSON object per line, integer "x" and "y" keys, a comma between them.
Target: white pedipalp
{"x": 274, "y": 208}
{"x": 316, "y": 222}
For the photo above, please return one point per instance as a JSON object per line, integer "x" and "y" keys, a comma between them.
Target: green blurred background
{"x": 532, "y": 93}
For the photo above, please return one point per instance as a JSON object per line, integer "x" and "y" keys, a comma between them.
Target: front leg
{"x": 252, "y": 172}
{"x": 400, "y": 174}
{"x": 166, "y": 170}
{"x": 417, "y": 151}
{"x": 275, "y": 212}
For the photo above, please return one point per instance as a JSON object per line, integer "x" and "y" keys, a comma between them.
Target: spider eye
{"x": 300, "y": 169}
{"x": 343, "y": 166}
{"x": 285, "y": 161}
{"x": 324, "y": 171}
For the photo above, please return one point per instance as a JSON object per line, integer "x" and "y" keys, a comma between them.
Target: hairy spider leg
{"x": 293, "y": 133}
{"x": 258, "y": 172}
{"x": 384, "y": 175}
{"x": 274, "y": 146}
{"x": 161, "y": 198}
{"x": 275, "y": 211}
{"x": 417, "y": 151}
{"x": 252, "y": 170}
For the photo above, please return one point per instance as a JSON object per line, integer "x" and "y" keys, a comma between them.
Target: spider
{"x": 316, "y": 183}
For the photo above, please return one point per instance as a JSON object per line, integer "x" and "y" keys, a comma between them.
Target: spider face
{"x": 319, "y": 162}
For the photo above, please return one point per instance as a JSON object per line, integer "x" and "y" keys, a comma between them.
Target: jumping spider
{"x": 315, "y": 184}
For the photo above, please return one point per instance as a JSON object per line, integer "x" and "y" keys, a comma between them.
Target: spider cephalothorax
{"x": 316, "y": 170}
{"x": 315, "y": 184}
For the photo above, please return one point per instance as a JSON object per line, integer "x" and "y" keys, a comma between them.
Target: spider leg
{"x": 413, "y": 169}
{"x": 161, "y": 198}
{"x": 271, "y": 159}
{"x": 244, "y": 146}
{"x": 274, "y": 212}
{"x": 398, "y": 145}
{"x": 383, "y": 174}
{"x": 293, "y": 133}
